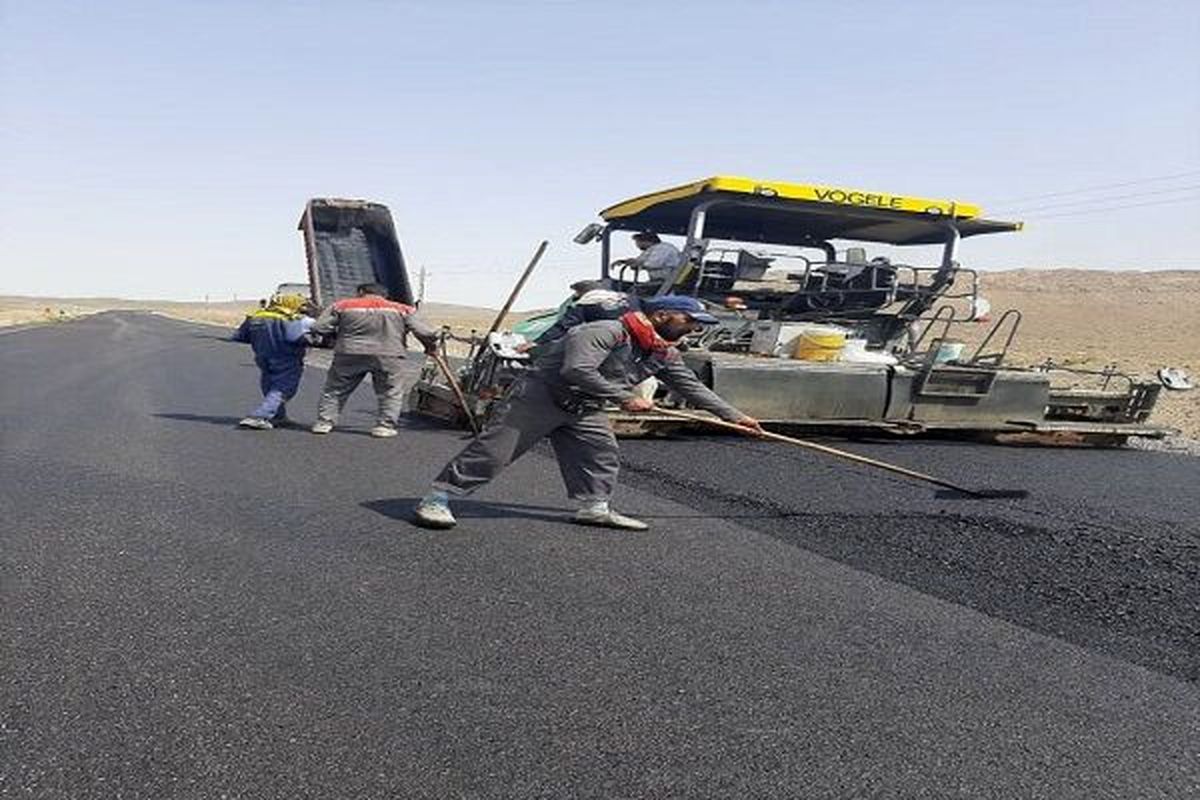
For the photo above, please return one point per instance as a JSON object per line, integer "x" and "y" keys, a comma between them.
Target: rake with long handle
{"x": 982, "y": 494}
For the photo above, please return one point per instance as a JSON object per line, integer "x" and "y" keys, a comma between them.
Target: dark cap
{"x": 651, "y": 235}
{"x": 679, "y": 302}
{"x": 587, "y": 286}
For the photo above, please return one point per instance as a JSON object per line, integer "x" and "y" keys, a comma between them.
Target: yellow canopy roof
{"x": 793, "y": 213}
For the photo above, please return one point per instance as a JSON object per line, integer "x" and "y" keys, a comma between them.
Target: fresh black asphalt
{"x": 191, "y": 610}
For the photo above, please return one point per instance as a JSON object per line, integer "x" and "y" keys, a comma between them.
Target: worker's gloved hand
{"x": 636, "y": 404}
{"x": 318, "y": 339}
{"x": 751, "y": 424}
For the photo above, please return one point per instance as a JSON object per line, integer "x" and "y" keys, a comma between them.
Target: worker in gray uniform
{"x": 370, "y": 331}
{"x": 563, "y": 396}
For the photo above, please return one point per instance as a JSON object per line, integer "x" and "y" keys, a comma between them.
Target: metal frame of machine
{"x": 900, "y": 311}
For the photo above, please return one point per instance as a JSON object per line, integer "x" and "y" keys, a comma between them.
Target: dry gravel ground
{"x": 1140, "y": 321}
{"x": 33, "y": 310}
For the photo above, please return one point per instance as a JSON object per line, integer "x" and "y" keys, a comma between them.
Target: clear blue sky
{"x": 165, "y": 149}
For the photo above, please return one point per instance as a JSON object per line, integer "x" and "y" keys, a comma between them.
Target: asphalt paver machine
{"x": 909, "y": 349}
{"x": 816, "y": 332}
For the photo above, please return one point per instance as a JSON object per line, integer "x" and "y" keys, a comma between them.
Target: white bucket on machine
{"x": 856, "y": 352}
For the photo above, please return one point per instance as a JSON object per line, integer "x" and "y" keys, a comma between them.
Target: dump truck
{"x": 348, "y": 243}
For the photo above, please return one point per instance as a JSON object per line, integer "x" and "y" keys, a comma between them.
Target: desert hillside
{"x": 28, "y": 310}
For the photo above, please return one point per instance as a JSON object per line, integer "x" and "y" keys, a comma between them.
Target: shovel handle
{"x": 440, "y": 360}
{"x": 537, "y": 256}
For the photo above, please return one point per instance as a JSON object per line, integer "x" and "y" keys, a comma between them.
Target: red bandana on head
{"x": 641, "y": 330}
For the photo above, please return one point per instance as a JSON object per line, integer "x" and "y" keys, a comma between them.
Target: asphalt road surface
{"x": 190, "y": 610}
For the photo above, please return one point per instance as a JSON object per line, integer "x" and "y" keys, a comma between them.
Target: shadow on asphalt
{"x": 211, "y": 420}
{"x": 734, "y": 517}
{"x": 417, "y": 422}
{"x": 232, "y": 422}
{"x": 401, "y": 508}
{"x": 403, "y": 424}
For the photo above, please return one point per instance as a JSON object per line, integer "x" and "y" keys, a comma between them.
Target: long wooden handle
{"x": 833, "y": 451}
{"x": 512, "y": 297}
{"x": 458, "y": 392}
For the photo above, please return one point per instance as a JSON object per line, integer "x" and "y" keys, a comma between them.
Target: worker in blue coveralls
{"x": 277, "y": 334}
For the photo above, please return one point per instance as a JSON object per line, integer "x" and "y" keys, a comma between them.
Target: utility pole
{"x": 421, "y": 286}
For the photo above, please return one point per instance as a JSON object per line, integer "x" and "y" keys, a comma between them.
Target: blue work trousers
{"x": 279, "y": 379}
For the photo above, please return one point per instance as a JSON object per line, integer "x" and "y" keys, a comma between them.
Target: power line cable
{"x": 1105, "y": 199}
{"x": 481, "y": 270}
{"x": 1098, "y": 187}
{"x": 1120, "y": 207}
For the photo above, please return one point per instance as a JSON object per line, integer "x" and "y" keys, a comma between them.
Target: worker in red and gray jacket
{"x": 563, "y": 397}
{"x": 370, "y": 336}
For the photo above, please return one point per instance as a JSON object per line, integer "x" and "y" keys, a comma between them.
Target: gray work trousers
{"x": 347, "y": 372}
{"x": 583, "y": 443}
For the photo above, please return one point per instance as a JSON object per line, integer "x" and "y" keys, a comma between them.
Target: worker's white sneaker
{"x": 383, "y": 431}
{"x": 604, "y": 517}
{"x": 256, "y": 423}
{"x": 434, "y": 512}
{"x": 321, "y": 426}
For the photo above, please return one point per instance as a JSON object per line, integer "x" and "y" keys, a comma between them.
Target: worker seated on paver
{"x": 563, "y": 396}
{"x": 370, "y": 331}
{"x": 276, "y": 333}
{"x": 658, "y": 260}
